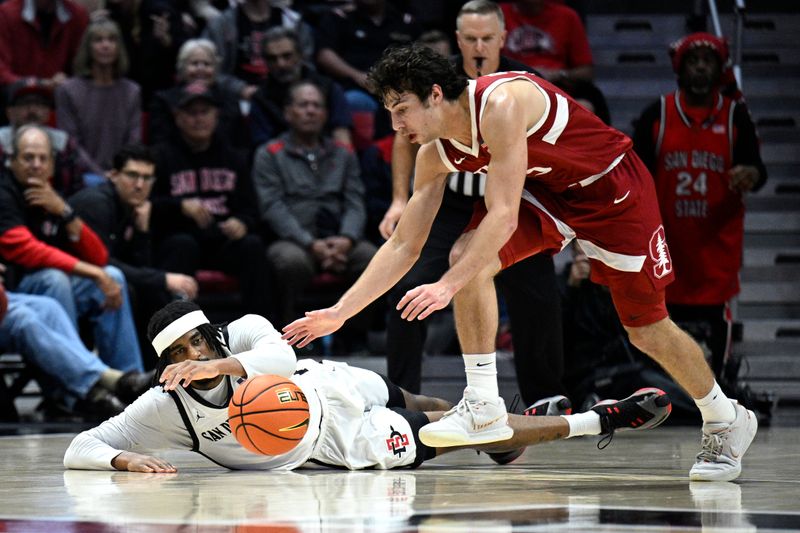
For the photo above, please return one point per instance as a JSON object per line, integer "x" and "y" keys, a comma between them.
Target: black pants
{"x": 244, "y": 259}
{"x": 532, "y": 298}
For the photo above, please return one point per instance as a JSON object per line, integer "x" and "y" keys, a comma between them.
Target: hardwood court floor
{"x": 638, "y": 483}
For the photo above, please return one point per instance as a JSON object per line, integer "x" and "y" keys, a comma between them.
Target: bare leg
{"x": 528, "y": 431}
{"x": 418, "y": 402}
{"x": 677, "y": 353}
{"x": 475, "y": 306}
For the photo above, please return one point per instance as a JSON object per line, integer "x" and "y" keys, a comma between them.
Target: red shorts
{"x": 617, "y": 224}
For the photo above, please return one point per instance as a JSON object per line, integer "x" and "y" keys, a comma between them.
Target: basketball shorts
{"x": 361, "y": 427}
{"x": 617, "y": 223}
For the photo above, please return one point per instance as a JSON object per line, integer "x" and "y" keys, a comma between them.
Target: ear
{"x": 437, "y": 95}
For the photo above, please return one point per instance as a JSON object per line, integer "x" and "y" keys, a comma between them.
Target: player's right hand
{"x": 390, "y": 219}
{"x": 136, "y": 462}
{"x": 314, "y": 325}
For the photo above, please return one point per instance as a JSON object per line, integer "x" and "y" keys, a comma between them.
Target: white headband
{"x": 178, "y": 329}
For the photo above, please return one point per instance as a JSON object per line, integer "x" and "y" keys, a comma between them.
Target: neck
{"x": 699, "y": 100}
{"x": 257, "y": 10}
{"x": 196, "y": 145}
{"x": 305, "y": 140}
{"x": 102, "y": 74}
{"x": 456, "y": 120}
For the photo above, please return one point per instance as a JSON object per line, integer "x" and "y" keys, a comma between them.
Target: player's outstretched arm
{"x": 136, "y": 462}
{"x": 392, "y": 260}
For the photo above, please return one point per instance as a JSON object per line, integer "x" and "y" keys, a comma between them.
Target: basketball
{"x": 268, "y": 414}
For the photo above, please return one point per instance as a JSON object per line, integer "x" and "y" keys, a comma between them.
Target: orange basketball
{"x": 268, "y": 414}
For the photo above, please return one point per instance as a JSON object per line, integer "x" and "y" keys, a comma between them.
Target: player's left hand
{"x": 314, "y": 325}
{"x": 420, "y": 302}
{"x": 743, "y": 178}
{"x": 185, "y": 372}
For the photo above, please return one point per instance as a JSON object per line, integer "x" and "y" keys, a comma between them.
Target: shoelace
{"x": 603, "y": 443}
{"x": 711, "y": 448}
{"x": 461, "y": 407}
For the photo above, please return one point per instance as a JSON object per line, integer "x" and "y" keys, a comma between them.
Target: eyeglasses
{"x": 133, "y": 175}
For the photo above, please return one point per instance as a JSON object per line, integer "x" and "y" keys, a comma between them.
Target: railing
{"x": 736, "y": 56}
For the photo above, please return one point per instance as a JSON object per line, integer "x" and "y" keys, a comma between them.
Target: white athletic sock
{"x": 481, "y": 370}
{"x": 716, "y": 407}
{"x": 587, "y": 423}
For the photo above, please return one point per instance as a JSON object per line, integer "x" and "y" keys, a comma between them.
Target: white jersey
{"x": 347, "y": 415}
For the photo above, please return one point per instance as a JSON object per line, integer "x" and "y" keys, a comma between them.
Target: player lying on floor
{"x": 358, "y": 419}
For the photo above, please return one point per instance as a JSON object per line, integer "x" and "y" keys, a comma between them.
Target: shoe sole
{"x": 735, "y": 472}
{"x": 655, "y": 421}
{"x": 445, "y": 439}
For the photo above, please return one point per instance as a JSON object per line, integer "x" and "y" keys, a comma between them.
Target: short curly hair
{"x": 415, "y": 69}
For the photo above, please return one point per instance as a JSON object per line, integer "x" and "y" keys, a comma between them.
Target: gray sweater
{"x": 308, "y": 195}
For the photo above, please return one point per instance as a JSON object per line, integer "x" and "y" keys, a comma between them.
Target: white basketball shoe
{"x": 723, "y": 447}
{"x": 472, "y": 421}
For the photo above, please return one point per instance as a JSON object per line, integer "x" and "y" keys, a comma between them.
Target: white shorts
{"x": 358, "y": 430}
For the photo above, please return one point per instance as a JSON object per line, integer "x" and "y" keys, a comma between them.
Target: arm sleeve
{"x": 19, "y": 246}
{"x": 258, "y": 346}
{"x": 746, "y": 150}
{"x": 90, "y": 248}
{"x": 6, "y": 52}
{"x": 272, "y": 206}
{"x": 149, "y": 423}
{"x": 354, "y": 216}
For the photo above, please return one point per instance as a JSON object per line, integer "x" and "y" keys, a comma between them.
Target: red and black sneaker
{"x": 644, "y": 409}
{"x": 550, "y": 406}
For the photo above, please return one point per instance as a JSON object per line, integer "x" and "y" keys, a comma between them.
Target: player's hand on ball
{"x": 314, "y": 325}
{"x": 185, "y": 372}
{"x": 420, "y": 302}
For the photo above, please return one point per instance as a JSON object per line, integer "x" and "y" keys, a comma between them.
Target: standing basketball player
{"x": 357, "y": 418}
{"x": 555, "y": 173}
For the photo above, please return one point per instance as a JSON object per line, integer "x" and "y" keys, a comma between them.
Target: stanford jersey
{"x": 703, "y": 218}
{"x": 567, "y": 147}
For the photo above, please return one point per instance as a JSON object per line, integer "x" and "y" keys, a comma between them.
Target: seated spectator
{"x": 119, "y": 213}
{"x": 30, "y": 102}
{"x": 54, "y": 253}
{"x": 350, "y": 42}
{"x": 39, "y": 38}
{"x": 549, "y": 37}
{"x": 286, "y": 66}
{"x": 98, "y": 107}
{"x": 198, "y": 62}
{"x": 38, "y": 328}
{"x": 204, "y": 211}
{"x": 436, "y": 40}
{"x": 311, "y": 195}
{"x": 238, "y": 35}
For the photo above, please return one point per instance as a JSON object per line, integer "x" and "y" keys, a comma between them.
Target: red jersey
{"x": 554, "y": 39}
{"x": 568, "y": 147}
{"x": 703, "y": 218}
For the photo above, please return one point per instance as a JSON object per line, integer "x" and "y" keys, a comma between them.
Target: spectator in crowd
{"x": 528, "y": 287}
{"x": 702, "y": 150}
{"x": 198, "y": 62}
{"x": 204, "y": 210}
{"x": 39, "y": 38}
{"x": 436, "y": 40}
{"x": 238, "y": 35}
{"x": 99, "y": 107}
{"x": 350, "y": 42}
{"x": 311, "y": 195}
{"x": 30, "y": 102}
{"x": 549, "y": 37}
{"x": 53, "y": 253}
{"x": 39, "y": 329}
{"x": 285, "y": 66}
{"x": 119, "y": 213}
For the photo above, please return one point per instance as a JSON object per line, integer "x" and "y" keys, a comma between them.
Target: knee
{"x": 55, "y": 279}
{"x": 650, "y": 338}
{"x": 288, "y": 258}
{"x": 115, "y": 274}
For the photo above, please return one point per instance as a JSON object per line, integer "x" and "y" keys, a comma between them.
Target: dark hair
{"x": 168, "y": 314}
{"x": 300, "y": 83}
{"x": 276, "y": 33}
{"x": 135, "y": 152}
{"x": 415, "y": 69}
